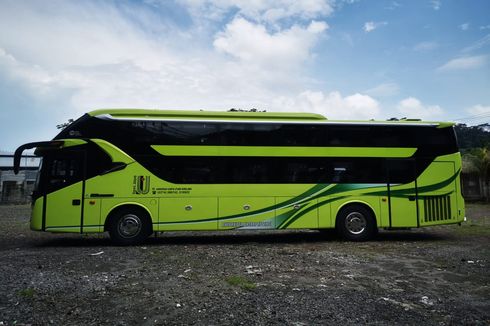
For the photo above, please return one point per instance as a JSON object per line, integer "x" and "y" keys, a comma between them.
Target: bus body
{"x": 134, "y": 172}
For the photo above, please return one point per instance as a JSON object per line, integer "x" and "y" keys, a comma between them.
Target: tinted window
{"x": 249, "y": 134}
{"x": 342, "y": 136}
{"x": 401, "y": 171}
{"x": 301, "y": 135}
{"x": 61, "y": 168}
{"x": 134, "y": 134}
{"x": 63, "y": 172}
{"x": 261, "y": 170}
{"x": 136, "y": 138}
{"x": 177, "y": 169}
{"x": 98, "y": 161}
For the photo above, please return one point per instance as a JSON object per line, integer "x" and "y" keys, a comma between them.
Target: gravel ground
{"x": 431, "y": 276}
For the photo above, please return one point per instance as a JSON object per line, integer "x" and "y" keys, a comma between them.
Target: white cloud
{"x": 484, "y": 27}
{"x": 478, "y": 114}
{"x": 36, "y": 78}
{"x": 484, "y": 41}
{"x": 385, "y": 89}
{"x": 332, "y": 105}
{"x": 64, "y": 33}
{"x": 70, "y": 57}
{"x": 436, "y": 4}
{"x": 412, "y": 108}
{"x": 371, "y": 26}
{"x": 269, "y": 11}
{"x": 113, "y": 63}
{"x": 464, "y": 63}
{"x": 393, "y": 5}
{"x": 478, "y": 109}
{"x": 254, "y": 44}
{"x": 464, "y": 27}
{"x": 425, "y": 46}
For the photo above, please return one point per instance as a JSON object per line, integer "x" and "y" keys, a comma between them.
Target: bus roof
{"x": 181, "y": 114}
{"x": 128, "y": 114}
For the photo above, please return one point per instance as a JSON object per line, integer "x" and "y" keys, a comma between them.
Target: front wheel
{"x": 129, "y": 226}
{"x": 356, "y": 223}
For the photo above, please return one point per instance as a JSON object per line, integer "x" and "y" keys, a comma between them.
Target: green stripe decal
{"x": 284, "y": 224}
{"x": 283, "y": 151}
{"x": 306, "y": 196}
{"x": 320, "y": 191}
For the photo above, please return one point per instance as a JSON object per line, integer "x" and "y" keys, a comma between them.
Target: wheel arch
{"x": 127, "y": 205}
{"x": 356, "y": 203}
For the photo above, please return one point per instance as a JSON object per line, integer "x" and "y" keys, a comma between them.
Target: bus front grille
{"x": 437, "y": 208}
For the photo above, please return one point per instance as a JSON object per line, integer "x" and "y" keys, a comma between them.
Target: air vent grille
{"x": 437, "y": 208}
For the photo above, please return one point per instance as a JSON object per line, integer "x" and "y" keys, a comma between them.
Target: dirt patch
{"x": 431, "y": 276}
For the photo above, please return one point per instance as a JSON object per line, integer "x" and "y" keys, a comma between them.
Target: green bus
{"x": 135, "y": 172}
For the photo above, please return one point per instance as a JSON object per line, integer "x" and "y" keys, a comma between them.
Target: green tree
{"x": 473, "y": 136}
{"x": 478, "y": 160}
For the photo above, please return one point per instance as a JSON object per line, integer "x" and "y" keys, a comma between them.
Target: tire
{"x": 356, "y": 223}
{"x": 129, "y": 226}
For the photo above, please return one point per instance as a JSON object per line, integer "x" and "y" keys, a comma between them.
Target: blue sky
{"x": 345, "y": 59}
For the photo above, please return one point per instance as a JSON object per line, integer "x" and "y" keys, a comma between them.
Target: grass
{"x": 478, "y": 220}
{"x": 27, "y": 293}
{"x": 241, "y": 282}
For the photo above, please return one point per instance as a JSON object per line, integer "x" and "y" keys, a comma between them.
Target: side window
{"x": 179, "y": 169}
{"x": 301, "y": 135}
{"x": 98, "y": 161}
{"x": 364, "y": 170}
{"x": 249, "y": 134}
{"x": 272, "y": 134}
{"x": 249, "y": 173}
{"x": 191, "y": 133}
{"x": 437, "y": 140}
{"x": 304, "y": 171}
{"x": 345, "y": 136}
{"x": 182, "y": 133}
{"x": 66, "y": 167}
{"x": 388, "y": 136}
{"x": 63, "y": 171}
{"x": 401, "y": 171}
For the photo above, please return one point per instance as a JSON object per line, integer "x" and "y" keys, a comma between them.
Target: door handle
{"x": 75, "y": 202}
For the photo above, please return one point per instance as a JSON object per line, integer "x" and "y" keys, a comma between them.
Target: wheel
{"x": 356, "y": 223}
{"x": 129, "y": 226}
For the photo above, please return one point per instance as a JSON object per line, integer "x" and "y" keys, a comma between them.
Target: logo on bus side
{"x": 141, "y": 184}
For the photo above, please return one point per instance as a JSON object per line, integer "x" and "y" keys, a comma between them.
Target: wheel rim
{"x": 355, "y": 223}
{"x": 129, "y": 226}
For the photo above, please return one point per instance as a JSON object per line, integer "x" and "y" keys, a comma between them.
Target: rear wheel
{"x": 129, "y": 226}
{"x": 356, "y": 223}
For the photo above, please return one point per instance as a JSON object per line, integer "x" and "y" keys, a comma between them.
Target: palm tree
{"x": 478, "y": 160}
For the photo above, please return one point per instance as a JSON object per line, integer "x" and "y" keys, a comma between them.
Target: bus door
{"x": 63, "y": 175}
{"x": 402, "y": 189}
